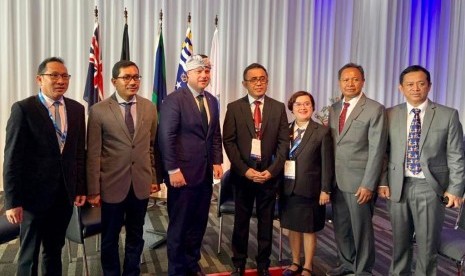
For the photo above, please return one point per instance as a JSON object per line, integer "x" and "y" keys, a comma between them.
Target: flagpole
{"x": 160, "y": 27}
{"x": 125, "y": 55}
{"x": 93, "y": 91}
{"x": 125, "y": 15}
{"x": 159, "y": 77}
{"x": 96, "y": 14}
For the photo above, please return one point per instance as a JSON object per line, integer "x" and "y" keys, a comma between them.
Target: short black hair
{"x": 254, "y": 66}
{"x": 43, "y": 65}
{"x": 293, "y": 98}
{"x": 121, "y": 64}
{"x": 415, "y": 68}
{"x": 351, "y": 65}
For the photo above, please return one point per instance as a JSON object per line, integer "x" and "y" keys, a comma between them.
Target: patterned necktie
{"x": 257, "y": 118}
{"x": 203, "y": 113}
{"x": 128, "y": 118}
{"x": 413, "y": 143}
{"x": 57, "y": 115}
{"x": 296, "y": 142}
{"x": 342, "y": 117}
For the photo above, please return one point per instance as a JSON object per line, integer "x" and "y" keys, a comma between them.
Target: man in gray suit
{"x": 359, "y": 134}
{"x": 121, "y": 162}
{"x": 424, "y": 172}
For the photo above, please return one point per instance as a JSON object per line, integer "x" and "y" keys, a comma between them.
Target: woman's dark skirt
{"x": 301, "y": 214}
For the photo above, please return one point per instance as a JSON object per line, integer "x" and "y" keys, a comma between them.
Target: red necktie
{"x": 257, "y": 118}
{"x": 342, "y": 117}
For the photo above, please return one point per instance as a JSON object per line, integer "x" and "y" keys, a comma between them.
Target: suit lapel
{"x": 266, "y": 113}
{"x": 140, "y": 115}
{"x": 307, "y": 134}
{"x": 354, "y": 114}
{"x": 401, "y": 119}
{"x": 72, "y": 124}
{"x": 45, "y": 117}
{"x": 247, "y": 113}
{"x": 193, "y": 108}
{"x": 427, "y": 119}
{"x": 335, "y": 119}
{"x": 116, "y": 110}
{"x": 212, "y": 109}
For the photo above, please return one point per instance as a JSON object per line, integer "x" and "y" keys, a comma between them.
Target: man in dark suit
{"x": 425, "y": 172}
{"x": 44, "y": 168}
{"x": 122, "y": 167}
{"x": 359, "y": 136}
{"x": 257, "y": 150}
{"x": 190, "y": 141}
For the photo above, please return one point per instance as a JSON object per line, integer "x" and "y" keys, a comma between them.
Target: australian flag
{"x": 93, "y": 92}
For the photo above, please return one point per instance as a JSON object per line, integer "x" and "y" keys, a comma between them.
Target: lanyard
{"x": 61, "y": 135}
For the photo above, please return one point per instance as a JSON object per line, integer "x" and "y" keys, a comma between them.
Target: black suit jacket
{"x": 34, "y": 168}
{"x": 314, "y": 162}
{"x": 239, "y": 130}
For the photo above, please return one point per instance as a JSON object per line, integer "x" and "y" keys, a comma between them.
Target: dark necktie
{"x": 342, "y": 117}
{"x": 128, "y": 118}
{"x": 203, "y": 113}
{"x": 413, "y": 143}
{"x": 257, "y": 118}
{"x": 57, "y": 115}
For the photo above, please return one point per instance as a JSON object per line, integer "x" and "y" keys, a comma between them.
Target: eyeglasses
{"x": 128, "y": 78}
{"x": 56, "y": 76}
{"x": 256, "y": 80}
{"x": 305, "y": 104}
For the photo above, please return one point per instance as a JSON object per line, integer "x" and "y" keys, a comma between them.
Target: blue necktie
{"x": 413, "y": 143}
{"x": 296, "y": 142}
{"x": 57, "y": 115}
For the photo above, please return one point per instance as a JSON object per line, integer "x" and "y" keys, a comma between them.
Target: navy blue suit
{"x": 184, "y": 145}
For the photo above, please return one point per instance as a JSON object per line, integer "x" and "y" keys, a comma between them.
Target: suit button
{"x": 133, "y": 146}
{"x": 133, "y": 162}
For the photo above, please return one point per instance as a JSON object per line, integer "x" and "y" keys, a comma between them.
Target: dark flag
{"x": 159, "y": 78}
{"x": 93, "y": 92}
{"x": 125, "y": 48}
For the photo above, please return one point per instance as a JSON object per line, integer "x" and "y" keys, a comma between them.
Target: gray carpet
{"x": 155, "y": 261}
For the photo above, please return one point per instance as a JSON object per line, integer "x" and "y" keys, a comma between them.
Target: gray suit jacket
{"x": 441, "y": 150}
{"x": 114, "y": 160}
{"x": 360, "y": 147}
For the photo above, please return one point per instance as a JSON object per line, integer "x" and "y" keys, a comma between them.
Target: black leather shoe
{"x": 339, "y": 271}
{"x": 263, "y": 272}
{"x": 238, "y": 271}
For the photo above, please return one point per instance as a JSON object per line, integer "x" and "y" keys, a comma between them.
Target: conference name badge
{"x": 289, "y": 169}
{"x": 256, "y": 151}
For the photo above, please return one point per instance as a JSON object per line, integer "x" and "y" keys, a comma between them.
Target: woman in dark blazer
{"x": 307, "y": 182}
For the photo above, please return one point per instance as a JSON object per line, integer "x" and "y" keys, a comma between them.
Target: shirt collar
{"x": 51, "y": 101}
{"x": 422, "y": 107}
{"x": 354, "y": 101}
{"x": 252, "y": 99}
{"x": 195, "y": 93}
{"x": 304, "y": 127}
{"x": 120, "y": 100}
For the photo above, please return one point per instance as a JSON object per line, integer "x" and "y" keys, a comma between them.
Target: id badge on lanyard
{"x": 256, "y": 151}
